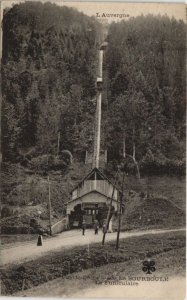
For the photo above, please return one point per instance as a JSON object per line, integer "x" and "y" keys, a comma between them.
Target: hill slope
{"x": 26, "y": 193}
{"x": 150, "y": 212}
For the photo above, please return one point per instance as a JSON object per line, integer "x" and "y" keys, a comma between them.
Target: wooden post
{"x": 120, "y": 211}
{"x": 109, "y": 211}
{"x": 49, "y": 203}
{"x": 88, "y": 250}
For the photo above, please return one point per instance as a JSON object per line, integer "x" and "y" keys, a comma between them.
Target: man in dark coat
{"x": 96, "y": 226}
{"x": 104, "y": 227}
{"x": 83, "y": 227}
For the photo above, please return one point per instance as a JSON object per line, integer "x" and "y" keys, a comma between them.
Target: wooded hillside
{"x": 49, "y": 70}
{"x": 145, "y": 72}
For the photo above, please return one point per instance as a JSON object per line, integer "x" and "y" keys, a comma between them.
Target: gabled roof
{"x": 90, "y": 174}
{"x": 95, "y": 191}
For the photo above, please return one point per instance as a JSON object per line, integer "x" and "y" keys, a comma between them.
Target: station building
{"x": 90, "y": 200}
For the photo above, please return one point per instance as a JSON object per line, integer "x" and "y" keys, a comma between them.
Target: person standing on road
{"x": 83, "y": 227}
{"x": 104, "y": 227}
{"x": 40, "y": 240}
{"x": 96, "y": 226}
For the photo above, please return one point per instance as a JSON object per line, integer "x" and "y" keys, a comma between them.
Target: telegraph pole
{"x": 109, "y": 210}
{"x": 49, "y": 205}
{"x": 120, "y": 212}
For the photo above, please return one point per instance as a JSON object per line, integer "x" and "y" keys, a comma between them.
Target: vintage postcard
{"x": 93, "y": 150}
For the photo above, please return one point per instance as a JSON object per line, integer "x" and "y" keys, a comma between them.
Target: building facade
{"x": 90, "y": 200}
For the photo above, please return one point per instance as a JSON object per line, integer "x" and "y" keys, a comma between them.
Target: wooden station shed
{"x": 90, "y": 200}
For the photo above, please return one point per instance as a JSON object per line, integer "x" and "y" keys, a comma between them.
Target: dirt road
{"x": 20, "y": 252}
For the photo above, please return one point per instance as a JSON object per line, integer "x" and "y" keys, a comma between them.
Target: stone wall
{"x": 59, "y": 226}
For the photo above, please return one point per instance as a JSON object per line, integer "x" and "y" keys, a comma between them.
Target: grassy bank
{"x": 60, "y": 264}
{"x": 170, "y": 264}
{"x": 150, "y": 213}
{"x": 25, "y": 192}
{"x": 11, "y": 239}
{"x": 171, "y": 187}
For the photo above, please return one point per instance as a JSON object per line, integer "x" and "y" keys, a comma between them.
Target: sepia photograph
{"x": 93, "y": 150}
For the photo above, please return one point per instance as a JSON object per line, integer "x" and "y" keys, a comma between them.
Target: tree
{"x": 10, "y": 131}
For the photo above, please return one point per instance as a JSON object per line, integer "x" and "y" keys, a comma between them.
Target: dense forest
{"x": 49, "y": 69}
{"x": 145, "y": 71}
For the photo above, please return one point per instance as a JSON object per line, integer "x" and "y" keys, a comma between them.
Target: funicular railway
{"x": 91, "y": 198}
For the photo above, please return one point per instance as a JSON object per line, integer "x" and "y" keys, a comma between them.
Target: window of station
{"x": 91, "y": 211}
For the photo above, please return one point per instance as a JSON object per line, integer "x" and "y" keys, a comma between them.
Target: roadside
{"x": 96, "y": 264}
{"x": 29, "y": 251}
{"x": 9, "y": 241}
{"x": 97, "y": 282}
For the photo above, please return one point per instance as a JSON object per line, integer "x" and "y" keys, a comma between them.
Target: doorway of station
{"x": 90, "y": 212}
{"x": 76, "y": 217}
{"x": 90, "y": 216}
{"x": 93, "y": 212}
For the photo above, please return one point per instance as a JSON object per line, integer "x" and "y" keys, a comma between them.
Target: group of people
{"x": 96, "y": 227}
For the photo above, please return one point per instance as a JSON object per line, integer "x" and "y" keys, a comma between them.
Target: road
{"x": 26, "y": 251}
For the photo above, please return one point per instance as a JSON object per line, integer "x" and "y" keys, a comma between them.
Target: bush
{"x": 6, "y": 212}
{"x": 160, "y": 164}
{"x": 15, "y": 230}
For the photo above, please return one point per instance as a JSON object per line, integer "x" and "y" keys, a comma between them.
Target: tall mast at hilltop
{"x": 97, "y": 138}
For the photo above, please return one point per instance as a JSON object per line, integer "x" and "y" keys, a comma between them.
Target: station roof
{"x": 90, "y": 176}
{"x": 72, "y": 200}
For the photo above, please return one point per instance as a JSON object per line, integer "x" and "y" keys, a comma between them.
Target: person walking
{"x": 96, "y": 226}
{"x": 104, "y": 227}
{"x": 83, "y": 227}
{"x": 40, "y": 240}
